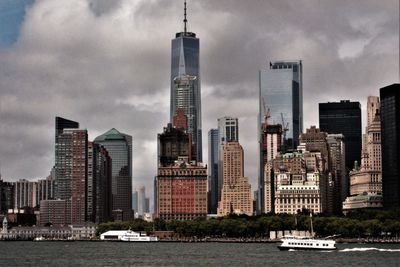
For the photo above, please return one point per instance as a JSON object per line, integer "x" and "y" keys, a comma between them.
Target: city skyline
{"x": 107, "y": 75}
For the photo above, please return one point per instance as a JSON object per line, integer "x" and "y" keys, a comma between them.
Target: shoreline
{"x": 267, "y": 241}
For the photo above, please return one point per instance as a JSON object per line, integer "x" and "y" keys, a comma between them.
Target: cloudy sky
{"x": 107, "y": 64}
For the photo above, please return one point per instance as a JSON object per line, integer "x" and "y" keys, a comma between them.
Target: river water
{"x": 21, "y": 253}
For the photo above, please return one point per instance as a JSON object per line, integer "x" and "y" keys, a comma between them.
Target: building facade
{"x": 281, "y": 96}
{"x": 236, "y": 189}
{"x": 98, "y": 190}
{"x": 6, "y": 196}
{"x": 337, "y": 167}
{"x": 213, "y": 170}
{"x": 119, "y": 148}
{"x": 390, "y": 134}
{"x": 228, "y": 131}
{"x": 173, "y": 143}
{"x": 343, "y": 117}
{"x": 185, "y": 72}
{"x": 181, "y": 191}
{"x": 71, "y": 174}
{"x": 25, "y": 194}
{"x": 295, "y": 181}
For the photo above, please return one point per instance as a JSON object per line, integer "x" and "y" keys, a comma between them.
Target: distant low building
{"x": 363, "y": 201}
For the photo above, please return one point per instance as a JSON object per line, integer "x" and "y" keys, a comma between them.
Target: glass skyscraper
{"x": 281, "y": 89}
{"x": 281, "y": 92}
{"x": 213, "y": 170}
{"x": 119, "y": 147}
{"x": 390, "y": 134}
{"x": 343, "y": 117}
{"x": 185, "y": 61}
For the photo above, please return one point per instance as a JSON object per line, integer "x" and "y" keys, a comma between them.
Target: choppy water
{"x": 190, "y": 254}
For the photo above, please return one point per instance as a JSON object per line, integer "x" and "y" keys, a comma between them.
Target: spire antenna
{"x": 184, "y": 19}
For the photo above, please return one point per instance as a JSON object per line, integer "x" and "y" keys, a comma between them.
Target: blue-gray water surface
{"x": 190, "y": 254}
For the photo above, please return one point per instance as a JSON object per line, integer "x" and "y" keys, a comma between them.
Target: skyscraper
{"x": 228, "y": 131}
{"x": 236, "y": 189}
{"x": 366, "y": 177}
{"x": 390, "y": 127}
{"x": 119, "y": 147}
{"x": 213, "y": 170}
{"x": 280, "y": 92}
{"x": 185, "y": 82}
{"x": 98, "y": 189}
{"x": 71, "y": 172}
{"x": 343, "y": 117}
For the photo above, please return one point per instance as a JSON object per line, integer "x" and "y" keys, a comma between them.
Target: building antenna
{"x": 184, "y": 19}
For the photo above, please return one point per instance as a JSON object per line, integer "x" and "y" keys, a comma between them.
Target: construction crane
{"x": 267, "y": 114}
{"x": 285, "y": 128}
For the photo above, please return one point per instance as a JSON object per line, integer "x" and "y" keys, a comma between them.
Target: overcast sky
{"x": 107, "y": 64}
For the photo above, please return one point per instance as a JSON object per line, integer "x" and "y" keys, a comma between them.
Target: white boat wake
{"x": 368, "y": 249}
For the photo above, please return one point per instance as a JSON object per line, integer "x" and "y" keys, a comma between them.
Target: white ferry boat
{"x": 306, "y": 243}
{"x": 127, "y": 236}
{"x": 134, "y": 237}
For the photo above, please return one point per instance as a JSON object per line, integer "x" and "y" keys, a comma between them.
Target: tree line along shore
{"x": 378, "y": 225}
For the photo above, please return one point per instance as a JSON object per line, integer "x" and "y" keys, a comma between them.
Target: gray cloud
{"x": 107, "y": 64}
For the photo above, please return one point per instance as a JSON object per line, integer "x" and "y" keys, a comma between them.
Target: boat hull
{"x": 285, "y": 248}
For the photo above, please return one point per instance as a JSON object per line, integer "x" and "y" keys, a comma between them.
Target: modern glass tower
{"x": 390, "y": 134}
{"x": 343, "y": 117}
{"x": 185, "y": 61}
{"x": 119, "y": 147}
{"x": 213, "y": 170}
{"x": 281, "y": 91}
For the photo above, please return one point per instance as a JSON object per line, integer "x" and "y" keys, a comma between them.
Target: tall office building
{"x": 337, "y": 167}
{"x": 343, "y": 117}
{"x": 185, "y": 83}
{"x": 213, "y": 170}
{"x": 280, "y": 92}
{"x": 71, "y": 171}
{"x": 119, "y": 147}
{"x": 236, "y": 189}
{"x": 390, "y": 129}
{"x": 366, "y": 177}
{"x": 98, "y": 189}
{"x": 271, "y": 146}
{"x": 60, "y": 125}
{"x": 228, "y": 131}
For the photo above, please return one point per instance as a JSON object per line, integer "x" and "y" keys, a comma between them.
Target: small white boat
{"x": 39, "y": 238}
{"x": 132, "y": 236}
{"x": 306, "y": 243}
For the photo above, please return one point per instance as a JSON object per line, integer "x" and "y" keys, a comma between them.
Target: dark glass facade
{"x": 390, "y": 134}
{"x": 173, "y": 143}
{"x": 98, "y": 190}
{"x": 281, "y": 92}
{"x": 62, "y": 124}
{"x": 213, "y": 170}
{"x": 343, "y": 117}
{"x": 119, "y": 147}
{"x": 6, "y": 196}
{"x": 185, "y": 61}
